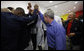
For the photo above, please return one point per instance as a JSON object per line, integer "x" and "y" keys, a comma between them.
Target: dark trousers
{"x": 33, "y": 37}
{"x": 74, "y": 47}
{"x": 49, "y": 48}
{"x": 44, "y": 35}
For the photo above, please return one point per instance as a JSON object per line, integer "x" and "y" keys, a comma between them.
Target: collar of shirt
{"x": 52, "y": 22}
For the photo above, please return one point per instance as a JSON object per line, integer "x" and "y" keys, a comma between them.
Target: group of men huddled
{"x": 18, "y": 28}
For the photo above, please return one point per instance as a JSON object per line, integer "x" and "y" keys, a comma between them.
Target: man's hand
{"x": 36, "y": 7}
{"x": 29, "y": 6}
{"x": 71, "y": 34}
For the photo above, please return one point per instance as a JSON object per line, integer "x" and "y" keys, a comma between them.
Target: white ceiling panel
{"x": 62, "y": 7}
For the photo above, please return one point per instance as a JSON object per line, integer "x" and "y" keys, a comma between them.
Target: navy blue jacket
{"x": 13, "y": 30}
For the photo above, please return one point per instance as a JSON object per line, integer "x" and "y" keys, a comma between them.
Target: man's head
{"x": 36, "y": 6}
{"x": 4, "y": 10}
{"x": 19, "y": 11}
{"x": 71, "y": 16}
{"x": 48, "y": 15}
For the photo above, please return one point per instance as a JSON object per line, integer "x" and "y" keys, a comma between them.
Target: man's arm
{"x": 41, "y": 16}
{"x": 29, "y": 19}
{"x": 19, "y": 18}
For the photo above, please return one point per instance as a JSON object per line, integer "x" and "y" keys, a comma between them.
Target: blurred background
{"x": 61, "y": 8}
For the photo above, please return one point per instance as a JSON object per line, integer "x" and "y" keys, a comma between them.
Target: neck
{"x": 50, "y": 21}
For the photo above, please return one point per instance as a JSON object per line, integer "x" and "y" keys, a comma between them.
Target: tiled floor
{"x": 44, "y": 46}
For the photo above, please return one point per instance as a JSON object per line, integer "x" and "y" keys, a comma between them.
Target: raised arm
{"x": 31, "y": 18}
{"x": 42, "y": 18}
{"x": 20, "y": 18}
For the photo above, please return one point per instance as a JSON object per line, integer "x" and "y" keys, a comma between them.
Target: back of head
{"x": 49, "y": 13}
{"x": 36, "y": 6}
{"x": 4, "y": 10}
{"x": 19, "y": 11}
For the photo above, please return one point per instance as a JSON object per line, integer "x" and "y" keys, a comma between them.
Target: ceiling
{"x": 59, "y": 7}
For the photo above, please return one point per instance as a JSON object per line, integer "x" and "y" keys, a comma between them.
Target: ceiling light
{"x": 50, "y": 1}
{"x": 76, "y": 2}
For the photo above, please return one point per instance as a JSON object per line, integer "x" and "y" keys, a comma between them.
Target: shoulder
{"x": 59, "y": 29}
{"x": 6, "y": 13}
{"x": 56, "y": 25}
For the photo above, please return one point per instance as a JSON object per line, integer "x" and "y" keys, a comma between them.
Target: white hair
{"x": 49, "y": 13}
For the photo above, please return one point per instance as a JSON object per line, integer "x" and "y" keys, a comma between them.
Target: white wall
{"x": 14, "y": 4}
